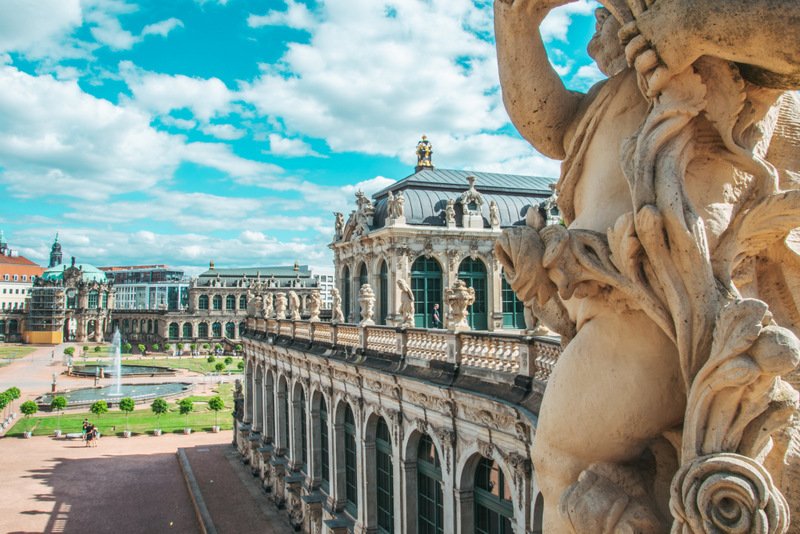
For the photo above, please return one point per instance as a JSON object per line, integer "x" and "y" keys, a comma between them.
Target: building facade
{"x": 149, "y": 287}
{"x": 17, "y": 274}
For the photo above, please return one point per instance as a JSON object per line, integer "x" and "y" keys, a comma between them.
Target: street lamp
{"x": 55, "y": 375}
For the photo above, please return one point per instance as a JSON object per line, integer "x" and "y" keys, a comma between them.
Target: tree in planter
{"x": 58, "y": 404}
{"x": 219, "y": 367}
{"x": 127, "y": 405}
{"x": 186, "y": 406}
{"x": 159, "y": 407}
{"x": 28, "y": 408}
{"x": 14, "y": 393}
{"x": 5, "y": 399}
{"x": 217, "y": 347}
{"x": 99, "y": 408}
{"x": 180, "y": 348}
{"x": 167, "y": 347}
{"x": 228, "y": 360}
{"x": 210, "y": 359}
{"x": 238, "y": 348}
{"x": 141, "y": 348}
{"x": 98, "y": 348}
{"x": 205, "y": 346}
{"x": 216, "y": 404}
{"x": 155, "y": 347}
{"x": 69, "y": 351}
{"x": 126, "y": 348}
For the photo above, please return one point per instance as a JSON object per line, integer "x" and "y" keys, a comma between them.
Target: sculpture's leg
{"x": 616, "y": 386}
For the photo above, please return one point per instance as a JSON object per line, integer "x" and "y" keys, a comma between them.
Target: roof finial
{"x": 424, "y": 152}
{"x": 211, "y": 264}
{"x": 296, "y": 266}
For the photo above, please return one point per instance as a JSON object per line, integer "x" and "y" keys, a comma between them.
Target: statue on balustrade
{"x": 674, "y": 279}
{"x": 406, "y": 304}
{"x": 337, "y": 315}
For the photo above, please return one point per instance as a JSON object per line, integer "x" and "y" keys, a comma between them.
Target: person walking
{"x": 436, "y": 319}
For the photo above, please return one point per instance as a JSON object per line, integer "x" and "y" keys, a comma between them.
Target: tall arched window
{"x": 202, "y": 330}
{"x": 13, "y": 326}
{"x": 346, "y": 296}
{"x": 229, "y": 330}
{"x": 383, "y": 293}
{"x": 493, "y": 507}
{"x": 230, "y": 302}
{"x": 283, "y": 396}
{"x": 363, "y": 278}
{"x": 243, "y": 302}
{"x": 513, "y": 308}
{"x": 104, "y": 300}
{"x": 385, "y": 478}
{"x": 217, "y": 302}
{"x": 430, "y": 507}
{"x": 93, "y": 299}
{"x": 426, "y": 284}
{"x": 324, "y": 446}
{"x": 149, "y": 326}
{"x": 216, "y": 330}
{"x": 202, "y": 302}
{"x": 303, "y": 434}
{"x": 187, "y": 330}
{"x": 473, "y": 273}
{"x": 173, "y": 330}
{"x": 350, "y": 459}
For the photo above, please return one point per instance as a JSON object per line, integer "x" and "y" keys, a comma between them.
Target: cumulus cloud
{"x": 162, "y": 28}
{"x": 283, "y": 146}
{"x": 223, "y": 131}
{"x": 32, "y": 25}
{"x": 556, "y": 25}
{"x": 296, "y": 16}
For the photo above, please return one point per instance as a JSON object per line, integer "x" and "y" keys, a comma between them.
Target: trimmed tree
{"x": 57, "y": 405}
{"x": 216, "y": 404}
{"x": 219, "y": 367}
{"x": 28, "y": 408}
{"x": 127, "y": 347}
{"x": 193, "y": 346}
{"x": 205, "y": 346}
{"x": 180, "y": 348}
{"x": 167, "y": 347}
{"x": 98, "y": 348}
{"x": 217, "y": 347}
{"x": 240, "y": 365}
{"x": 99, "y": 408}
{"x": 5, "y": 399}
{"x": 141, "y": 348}
{"x": 186, "y": 406}
{"x": 127, "y": 405}
{"x": 238, "y": 348}
{"x": 155, "y": 347}
{"x": 228, "y": 360}
{"x": 159, "y": 407}
{"x": 210, "y": 359}
{"x": 14, "y": 393}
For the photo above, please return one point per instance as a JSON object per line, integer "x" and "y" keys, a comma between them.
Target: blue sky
{"x": 188, "y": 130}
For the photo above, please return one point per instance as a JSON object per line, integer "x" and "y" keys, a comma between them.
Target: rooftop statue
{"x": 673, "y": 282}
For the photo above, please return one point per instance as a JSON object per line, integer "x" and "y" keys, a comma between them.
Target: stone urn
{"x": 157, "y": 432}
{"x": 215, "y": 429}
{"x": 27, "y": 434}
{"x": 56, "y": 433}
{"x": 366, "y": 297}
{"x": 126, "y": 433}
{"x": 187, "y": 431}
{"x": 459, "y": 298}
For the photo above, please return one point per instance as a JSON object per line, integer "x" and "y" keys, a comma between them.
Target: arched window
{"x": 143, "y": 326}
{"x": 93, "y": 299}
{"x": 513, "y": 308}
{"x": 125, "y": 326}
{"x": 242, "y": 328}
{"x": 426, "y": 284}
{"x": 350, "y": 459}
{"x": 149, "y": 326}
{"x": 187, "y": 330}
{"x": 538, "y": 514}
{"x": 493, "y": 507}
{"x": 283, "y": 398}
{"x": 473, "y": 273}
{"x": 229, "y": 330}
{"x": 363, "y": 278}
{"x": 173, "y": 330}
{"x": 385, "y": 478}
{"x": 13, "y": 326}
{"x": 383, "y": 293}
{"x": 202, "y": 302}
{"x": 230, "y": 302}
{"x": 346, "y": 296}
{"x": 430, "y": 507}
{"x": 323, "y": 445}
{"x": 216, "y": 330}
{"x": 243, "y": 302}
{"x": 303, "y": 434}
{"x": 104, "y": 300}
{"x": 202, "y": 330}
{"x": 217, "y": 302}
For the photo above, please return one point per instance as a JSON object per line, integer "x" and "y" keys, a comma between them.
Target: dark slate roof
{"x": 426, "y": 194}
{"x": 280, "y": 271}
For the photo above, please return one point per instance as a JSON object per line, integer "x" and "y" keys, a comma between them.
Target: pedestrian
{"x": 436, "y": 319}
{"x": 87, "y": 435}
{"x": 85, "y": 426}
{"x": 95, "y": 436}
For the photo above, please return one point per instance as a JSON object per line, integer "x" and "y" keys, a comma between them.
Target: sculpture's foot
{"x": 597, "y": 504}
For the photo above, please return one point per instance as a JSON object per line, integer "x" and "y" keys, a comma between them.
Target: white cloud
{"x": 162, "y": 93}
{"x": 223, "y": 131}
{"x": 26, "y": 26}
{"x": 283, "y": 146}
{"x": 183, "y": 124}
{"x": 296, "y": 16}
{"x": 162, "y": 28}
{"x": 221, "y": 157}
{"x": 557, "y": 22}
{"x": 586, "y": 76}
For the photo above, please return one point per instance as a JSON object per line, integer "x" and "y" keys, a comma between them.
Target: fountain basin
{"x": 138, "y": 392}
{"x": 90, "y": 371}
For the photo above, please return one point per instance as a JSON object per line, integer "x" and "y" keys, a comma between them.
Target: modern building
{"x": 16, "y": 280}
{"x": 390, "y": 428}
{"x": 149, "y": 287}
{"x": 325, "y": 280}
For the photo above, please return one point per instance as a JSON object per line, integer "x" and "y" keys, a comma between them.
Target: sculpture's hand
{"x": 653, "y": 74}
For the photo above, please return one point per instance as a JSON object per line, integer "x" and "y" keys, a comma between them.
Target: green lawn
{"x": 140, "y": 421}
{"x": 13, "y": 353}
{"x": 198, "y": 365}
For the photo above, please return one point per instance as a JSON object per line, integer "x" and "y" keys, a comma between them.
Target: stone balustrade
{"x": 528, "y": 356}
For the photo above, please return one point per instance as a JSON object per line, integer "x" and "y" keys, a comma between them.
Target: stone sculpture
{"x": 494, "y": 215}
{"x": 280, "y": 305}
{"x": 459, "y": 298}
{"x": 676, "y": 295}
{"x": 268, "y": 306}
{"x": 450, "y": 213}
{"x": 366, "y": 297}
{"x": 255, "y": 305}
{"x": 314, "y": 306}
{"x": 339, "y": 226}
{"x": 337, "y": 316}
{"x": 294, "y": 306}
{"x": 406, "y": 311}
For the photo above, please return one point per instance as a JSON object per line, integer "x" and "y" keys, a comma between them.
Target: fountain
{"x": 115, "y": 346}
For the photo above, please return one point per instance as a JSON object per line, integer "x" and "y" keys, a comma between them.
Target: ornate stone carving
{"x": 338, "y": 316}
{"x": 294, "y": 306}
{"x": 267, "y": 307}
{"x": 406, "y": 310}
{"x": 459, "y": 298}
{"x": 366, "y": 297}
{"x": 687, "y": 148}
{"x": 314, "y": 306}
{"x": 280, "y": 305}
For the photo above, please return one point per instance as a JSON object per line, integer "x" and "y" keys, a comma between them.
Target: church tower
{"x": 55, "y": 253}
{"x": 3, "y": 244}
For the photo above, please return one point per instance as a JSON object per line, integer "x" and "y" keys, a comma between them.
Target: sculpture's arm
{"x": 536, "y": 100}
{"x": 762, "y": 33}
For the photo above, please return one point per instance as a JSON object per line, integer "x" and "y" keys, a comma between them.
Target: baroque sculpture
{"x": 459, "y": 298}
{"x": 337, "y": 315}
{"x": 406, "y": 304}
{"x": 294, "y": 306}
{"x": 314, "y": 306}
{"x": 268, "y": 306}
{"x": 366, "y": 297}
{"x": 673, "y": 283}
{"x": 280, "y": 305}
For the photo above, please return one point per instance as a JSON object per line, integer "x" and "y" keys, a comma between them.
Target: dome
{"x": 90, "y": 273}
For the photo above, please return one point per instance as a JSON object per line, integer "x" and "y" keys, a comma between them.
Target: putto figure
{"x": 673, "y": 283}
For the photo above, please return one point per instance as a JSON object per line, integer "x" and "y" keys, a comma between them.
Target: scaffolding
{"x": 46, "y": 311}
